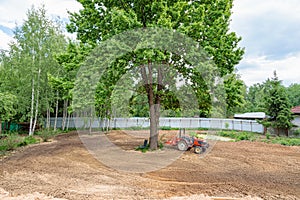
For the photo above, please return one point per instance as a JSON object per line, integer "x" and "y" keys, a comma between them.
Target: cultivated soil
{"x": 65, "y": 169}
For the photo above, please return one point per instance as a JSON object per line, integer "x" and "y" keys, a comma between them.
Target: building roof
{"x": 296, "y": 110}
{"x": 251, "y": 115}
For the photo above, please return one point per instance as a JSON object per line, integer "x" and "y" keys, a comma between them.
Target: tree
{"x": 28, "y": 62}
{"x": 278, "y": 107}
{"x": 293, "y": 92}
{"x": 235, "y": 92}
{"x": 7, "y": 107}
{"x": 206, "y": 22}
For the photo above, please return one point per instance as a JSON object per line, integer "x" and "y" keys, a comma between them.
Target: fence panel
{"x": 210, "y": 123}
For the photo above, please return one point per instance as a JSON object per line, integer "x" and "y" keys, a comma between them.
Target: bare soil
{"x": 65, "y": 169}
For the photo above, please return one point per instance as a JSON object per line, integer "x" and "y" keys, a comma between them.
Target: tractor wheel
{"x": 198, "y": 150}
{"x": 182, "y": 145}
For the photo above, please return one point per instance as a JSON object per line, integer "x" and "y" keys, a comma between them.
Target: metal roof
{"x": 296, "y": 110}
{"x": 251, "y": 115}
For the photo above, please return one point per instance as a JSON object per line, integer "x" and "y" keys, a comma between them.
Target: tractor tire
{"x": 198, "y": 150}
{"x": 182, "y": 145}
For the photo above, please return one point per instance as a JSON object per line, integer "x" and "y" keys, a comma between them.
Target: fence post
{"x": 241, "y": 125}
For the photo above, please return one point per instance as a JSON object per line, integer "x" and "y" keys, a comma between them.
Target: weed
{"x": 28, "y": 140}
{"x": 297, "y": 132}
{"x": 11, "y": 142}
{"x": 46, "y": 134}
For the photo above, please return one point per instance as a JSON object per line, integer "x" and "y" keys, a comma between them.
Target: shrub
{"x": 46, "y": 135}
{"x": 242, "y": 136}
{"x": 286, "y": 141}
{"x": 268, "y": 136}
{"x": 297, "y": 132}
{"x": 166, "y": 128}
{"x": 230, "y": 134}
{"x": 11, "y": 142}
{"x": 28, "y": 140}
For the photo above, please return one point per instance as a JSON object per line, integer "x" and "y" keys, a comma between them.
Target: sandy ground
{"x": 65, "y": 169}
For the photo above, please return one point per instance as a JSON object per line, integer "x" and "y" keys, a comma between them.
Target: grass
{"x": 12, "y": 141}
{"x": 243, "y": 135}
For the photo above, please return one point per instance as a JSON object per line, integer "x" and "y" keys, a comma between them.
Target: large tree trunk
{"x": 154, "y": 101}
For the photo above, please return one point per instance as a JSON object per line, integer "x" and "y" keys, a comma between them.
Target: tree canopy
{"x": 205, "y": 22}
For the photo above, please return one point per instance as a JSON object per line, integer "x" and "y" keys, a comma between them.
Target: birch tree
{"x": 31, "y": 58}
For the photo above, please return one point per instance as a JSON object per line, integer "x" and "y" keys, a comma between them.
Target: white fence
{"x": 210, "y": 123}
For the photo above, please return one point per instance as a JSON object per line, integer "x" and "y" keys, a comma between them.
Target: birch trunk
{"x": 48, "y": 118}
{"x": 68, "y": 121}
{"x": 31, "y": 109}
{"x": 37, "y": 102}
{"x": 64, "y": 115}
{"x": 56, "y": 112}
{"x": 0, "y": 126}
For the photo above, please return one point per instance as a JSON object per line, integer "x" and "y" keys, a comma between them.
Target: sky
{"x": 270, "y": 31}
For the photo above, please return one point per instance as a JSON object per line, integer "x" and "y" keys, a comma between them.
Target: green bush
{"x": 286, "y": 141}
{"x": 46, "y": 134}
{"x": 268, "y": 136}
{"x": 238, "y": 136}
{"x": 242, "y": 136}
{"x": 297, "y": 132}
{"x": 166, "y": 128}
{"x": 11, "y": 142}
{"x": 230, "y": 134}
{"x": 28, "y": 140}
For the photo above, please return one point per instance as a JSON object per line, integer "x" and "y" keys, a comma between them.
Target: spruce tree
{"x": 278, "y": 107}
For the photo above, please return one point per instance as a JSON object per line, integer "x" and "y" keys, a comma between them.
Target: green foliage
{"x": 286, "y": 141}
{"x": 293, "y": 92}
{"x": 28, "y": 140}
{"x": 166, "y": 128}
{"x": 296, "y": 132}
{"x": 46, "y": 135}
{"x": 10, "y": 142}
{"x": 277, "y": 105}
{"x": 235, "y": 92}
{"x": 142, "y": 148}
{"x": 226, "y": 125}
{"x": 238, "y": 136}
{"x": 7, "y": 107}
{"x": 206, "y": 22}
{"x": 28, "y": 61}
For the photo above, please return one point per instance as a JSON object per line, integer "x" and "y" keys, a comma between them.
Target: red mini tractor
{"x": 185, "y": 143}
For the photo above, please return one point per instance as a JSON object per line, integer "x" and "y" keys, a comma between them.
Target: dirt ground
{"x": 65, "y": 169}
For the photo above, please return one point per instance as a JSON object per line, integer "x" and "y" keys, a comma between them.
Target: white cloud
{"x": 269, "y": 26}
{"x": 4, "y": 40}
{"x": 270, "y": 31}
{"x": 259, "y": 68}
{"x": 14, "y": 11}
